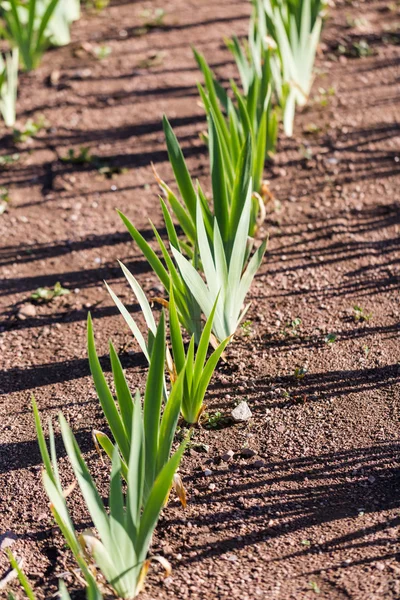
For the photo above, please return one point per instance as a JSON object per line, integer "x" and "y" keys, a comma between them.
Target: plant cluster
{"x": 206, "y": 268}
{"x": 30, "y": 28}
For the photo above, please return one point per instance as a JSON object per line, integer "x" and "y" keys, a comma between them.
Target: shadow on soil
{"x": 288, "y": 497}
{"x": 32, "y": 252}
{"x": 369, "y": 233}
{"x": 281, "y": 392}
{"x": 20, "y": 379}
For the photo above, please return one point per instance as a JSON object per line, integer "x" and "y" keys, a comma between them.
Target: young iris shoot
{"x": 26, "y": 27}
{"x": 9, "y": 86}
{"x": 188, "y": 308}
{"x": 296, "y": 29}
{"x": 65, "y": 13}
{"x": 119, "y": 544}
{"x": 58, "y": 505}
{"x": 190, "y": 366}
{"x": 229, "y": 187}
{"x": 227, "y": 279}
{"x": 249, "y": 114}
{"x": 159, "y": 426}
{"x": 196, "y": 371}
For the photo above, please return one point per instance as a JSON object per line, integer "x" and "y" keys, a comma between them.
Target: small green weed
{"x": 153, "y": 17}
{"x": 29, "y": 131}
{"x": 292, "y": 328}
{"x": 360, "y": 315}
{"x": 213, "y": 420}
{"x": 97, "y": 4}
{"x": 247, "y": 328}
{"x": 323, "y": 96}
{"x": 314, "y": 587}
{"x": 330, "y": 338}
{"x": 102, "y": 52}
{"x": 305, "y": 152}
{"x": 362, "y": 49}
{"x": 359, "y": 49}
{"x": 312, "y": 129}
{"x": 46, "y": 294}
{"x": 356, "y": 23}
{"x": 109, "y": 170}
{"x": 4, "y": 199}
{"x": 153, "y": 60}
{"x": 300, "y": 372}
{"x": 9, "y": 159}
{"x": 366, "y": 350}
{"x": 83, "y": 157}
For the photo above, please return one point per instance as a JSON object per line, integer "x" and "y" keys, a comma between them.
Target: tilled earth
{"x": 310, "y": 503}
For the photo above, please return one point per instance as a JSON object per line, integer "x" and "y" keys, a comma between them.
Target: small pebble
{"x": 248, "y": 452}
{"x": 26, "y": 311}
{"x": 241, "y": 413}
{"x": 7, "y": 539}
{"x": 228, "y": 456}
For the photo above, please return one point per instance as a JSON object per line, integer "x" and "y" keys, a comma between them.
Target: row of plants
{"x": 206, "y": 267}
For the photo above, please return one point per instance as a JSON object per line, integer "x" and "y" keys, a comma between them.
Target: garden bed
{"x": 314, "y": 509}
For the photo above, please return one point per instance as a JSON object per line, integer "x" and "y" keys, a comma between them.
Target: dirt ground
{"x": 315, "y": 511}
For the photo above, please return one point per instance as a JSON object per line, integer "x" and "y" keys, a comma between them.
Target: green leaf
{"x": 241, "y": 185}
{"x": 148, "y": 252}
{"x": 169, "y": 421}
{"x": 21, "y": 575}
{"x": 104, "y": 441}
{"x": 141, "y": 297}
{"x": 124, "y": 396}
{"x": 42, "y": 442}
{"x": 220, "y": 192}
{"x": 105, "y": 396}
{"x": 136, "y": 473}
{"x": 86, "y": 484}
{"x": 178, "y": 349}
{"x": 152, "y": 402}
{"x": 156, "y": 500}
{"x": 203, "y": 345}
{"x": 181, "y": 173}
{"x": 130, "y": 321}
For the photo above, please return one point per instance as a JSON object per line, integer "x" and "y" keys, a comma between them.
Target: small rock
{"x": 7, "y": 539}
{"x": 54, "y": 78}
{"x": 380, "y": 566}
{"x": 258, "y": 464}
{"x": 230, "y": 557}
{"x": 371, "y": 479}
{"x": 211, "y": 486}
{"x": 228, "y": 456}
{"x": 26, "y": 311}
{"x": 241, "y": 413}
{"x": 207, "y": 472}
{"x": 82, "y": 74}
{"x": 248, "y": 452}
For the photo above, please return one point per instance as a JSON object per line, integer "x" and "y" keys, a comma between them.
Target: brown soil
{"x": 317, "y": 507}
